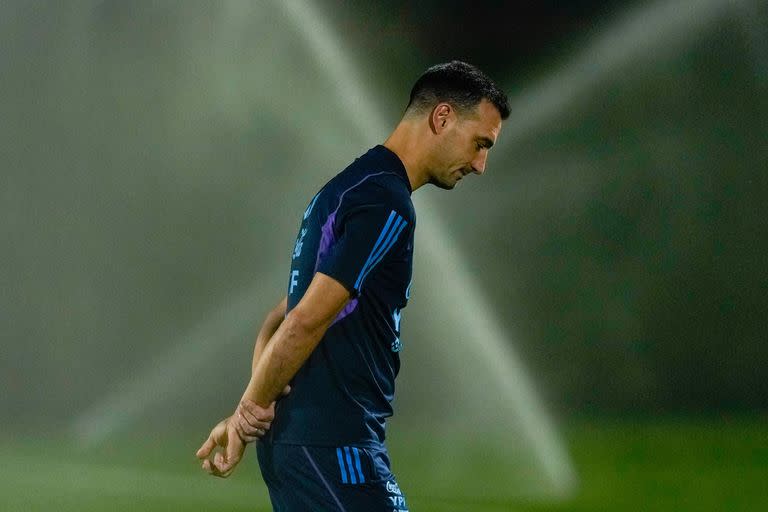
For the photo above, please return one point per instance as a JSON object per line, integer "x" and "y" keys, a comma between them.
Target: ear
{"x": 442, "y": 117}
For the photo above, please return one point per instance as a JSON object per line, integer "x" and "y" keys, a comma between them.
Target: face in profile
{"x": 463, "y": 143}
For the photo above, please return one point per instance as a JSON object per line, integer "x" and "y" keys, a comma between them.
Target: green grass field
{"x": 669, "y": 465}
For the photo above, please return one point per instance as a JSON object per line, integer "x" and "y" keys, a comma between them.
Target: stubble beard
{"x": 441, "y": 184}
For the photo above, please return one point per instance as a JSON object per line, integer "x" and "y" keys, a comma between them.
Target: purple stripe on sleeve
{"x": 327, "y": 238}
{"x": 348, "y": 309}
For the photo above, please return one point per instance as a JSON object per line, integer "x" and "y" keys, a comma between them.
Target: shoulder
{"x": 381, "y": 191}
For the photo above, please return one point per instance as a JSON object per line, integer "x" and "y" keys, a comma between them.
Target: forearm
{"x": 295, "y": 339}
{"x": 268, "y": 328}
{"x": 282, "y": 357}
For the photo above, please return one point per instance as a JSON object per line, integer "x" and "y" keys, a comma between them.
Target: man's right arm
{"x": 277, "y": 363}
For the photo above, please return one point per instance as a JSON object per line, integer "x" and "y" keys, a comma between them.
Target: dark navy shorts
{"x": 324, "y": 478}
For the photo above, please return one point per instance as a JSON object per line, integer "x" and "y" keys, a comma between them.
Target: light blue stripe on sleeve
{"x": 352, "y": 477}
{"x": 341, "y": 466}
{"x": 381, "y": 248}
{"x": 382, "y": 235}
{"x": 390, "y": 242}
{"x": 384, "y": 231}
{"x": 357, "y": 465}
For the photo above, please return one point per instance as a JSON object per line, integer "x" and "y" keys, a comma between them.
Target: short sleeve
{"x": 366, "y": 235}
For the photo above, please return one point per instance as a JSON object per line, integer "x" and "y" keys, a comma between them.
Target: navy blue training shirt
{"x": 358, "y": 230}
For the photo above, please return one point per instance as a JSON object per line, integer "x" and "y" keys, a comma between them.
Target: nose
{"x": 478, "y": 164}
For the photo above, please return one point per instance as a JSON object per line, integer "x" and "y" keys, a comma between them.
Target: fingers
{"x": 250, "y": 422}
{"x": 219, "y": 462}
{"x": 224, "y": 434}
{"x": 206, "y": 448}
{"x": 225, "y": 464}
{"x": 248, "y": 438}
{"x": 222, "y": 466}
{"x": 218, "y": 436}
{"x": 258, "y": 412}
{"x": 211, "y": 468}
{"x": 215, "y": 468}
{"x": 234, "y": 450}
{"x": 286, "y": 390}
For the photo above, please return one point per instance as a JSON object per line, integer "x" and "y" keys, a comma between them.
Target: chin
{"x": 443, "y": 185}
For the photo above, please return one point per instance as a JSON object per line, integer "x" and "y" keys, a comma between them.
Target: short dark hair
{"x": 462, "y": 85}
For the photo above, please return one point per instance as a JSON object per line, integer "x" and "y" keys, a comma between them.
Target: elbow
{"x": 301, "y": 334}
{"x": 301, "y": 323}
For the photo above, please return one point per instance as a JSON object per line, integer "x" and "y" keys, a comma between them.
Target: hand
{"x": 253, "y": 421}
{"x": 223, "y": 463}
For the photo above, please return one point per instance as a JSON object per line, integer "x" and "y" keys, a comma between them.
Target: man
{"x": 327, "y": 355}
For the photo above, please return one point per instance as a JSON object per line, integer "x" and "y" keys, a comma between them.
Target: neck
{"x": 404, "y": 142}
